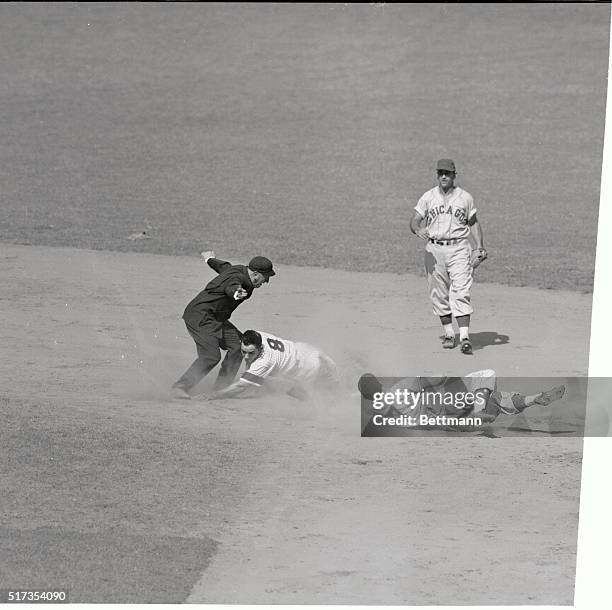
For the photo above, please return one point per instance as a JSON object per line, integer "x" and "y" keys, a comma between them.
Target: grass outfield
{"x": 118, "y": 498}
{"x": 305, "y": 132}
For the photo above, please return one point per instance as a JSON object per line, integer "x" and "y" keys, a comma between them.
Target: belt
{"x": 445, "y": 242}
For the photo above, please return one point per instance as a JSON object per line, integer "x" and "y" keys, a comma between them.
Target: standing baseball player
{"x": 272, "y": 361}
{"x": 444, "y": 217}
{"x": 207, "y": 320}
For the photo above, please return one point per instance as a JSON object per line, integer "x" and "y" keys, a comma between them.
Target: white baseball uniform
{"x": 298, "y": 362}
{"x": 448, "y": 251}
{"x": 506, "y": 402}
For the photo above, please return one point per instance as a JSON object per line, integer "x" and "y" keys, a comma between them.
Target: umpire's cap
{"x": 262, "y": 265}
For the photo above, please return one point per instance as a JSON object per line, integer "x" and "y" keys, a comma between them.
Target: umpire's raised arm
{"x": 216, "y": 264}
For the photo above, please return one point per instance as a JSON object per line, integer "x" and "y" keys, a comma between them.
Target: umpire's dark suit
{"x": 207, "y": 320}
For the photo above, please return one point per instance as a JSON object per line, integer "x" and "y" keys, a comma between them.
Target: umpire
{"x": 207, "y": 320}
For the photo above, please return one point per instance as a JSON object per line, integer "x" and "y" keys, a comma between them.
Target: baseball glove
{"x": 478, "y": 256}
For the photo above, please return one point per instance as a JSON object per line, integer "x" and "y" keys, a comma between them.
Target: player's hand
{"x": 422, "y": 234}
{"x": 240, "y": 294}
{"x": 207, "y": 254}
{"x": 478, "y": 256}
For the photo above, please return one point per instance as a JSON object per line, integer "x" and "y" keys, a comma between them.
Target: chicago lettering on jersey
{"x": 436, "y": 211}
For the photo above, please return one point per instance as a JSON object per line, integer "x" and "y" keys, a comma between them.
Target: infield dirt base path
{"x": 300, "y": 509}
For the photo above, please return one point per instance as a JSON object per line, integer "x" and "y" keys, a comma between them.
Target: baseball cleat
{"x": 180, "y": 393}
{"x": 545, "y": 398}
{"x": 466, "y": 346}
{"x": 448, "y": 342}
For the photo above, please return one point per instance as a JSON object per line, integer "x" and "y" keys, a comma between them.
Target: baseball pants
{"x": 449, "y": 278}
{"x": 209, "y": 342}
{"x": 315, "y": 367}
{"x": 313, "y": 370}
{"x": 509, "y": 403}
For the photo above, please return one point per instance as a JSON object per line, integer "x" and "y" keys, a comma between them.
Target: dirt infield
{"x": 276, "y": 502}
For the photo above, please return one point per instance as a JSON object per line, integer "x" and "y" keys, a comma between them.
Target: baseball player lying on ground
{"x": 272, "y": 362}
{"x": 475, "y": 395}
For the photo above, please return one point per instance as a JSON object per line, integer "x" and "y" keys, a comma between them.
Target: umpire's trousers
{"x": 211, "y": 337}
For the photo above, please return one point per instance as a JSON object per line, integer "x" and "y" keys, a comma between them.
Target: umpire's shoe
{"x": 178, "y": 392}
{"x": 466, "y": 346}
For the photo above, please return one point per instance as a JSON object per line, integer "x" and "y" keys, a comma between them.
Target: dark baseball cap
{"x": 262, "y": 265}
{"x": 446, "y": 164}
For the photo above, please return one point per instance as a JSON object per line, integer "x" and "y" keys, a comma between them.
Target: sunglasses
{"x": 445, "y": 172}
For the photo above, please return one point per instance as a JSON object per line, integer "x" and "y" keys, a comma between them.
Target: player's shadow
{"x": 487, "y": 338}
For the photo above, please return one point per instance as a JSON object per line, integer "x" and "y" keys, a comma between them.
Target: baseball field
{"x": 137, "y": 135}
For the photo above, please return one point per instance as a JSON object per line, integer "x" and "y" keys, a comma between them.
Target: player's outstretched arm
{"x": 238, "y": 389}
